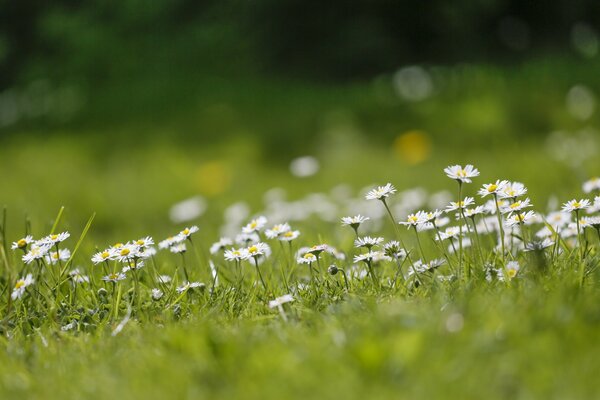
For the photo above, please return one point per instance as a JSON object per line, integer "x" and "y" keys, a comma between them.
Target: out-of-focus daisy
{"x": 235, "y": 254}
{"x": 318, "y": 249}
{"x": 22, "y": 243}
{"x": 593, "y": 222}
{"x": 512, "y": 269}
{"x": 354, "y": 222}
{"x": 277, "y": 230}
{"x": 170, "y": 241}
{"x": 279, "y": 301}
{"x": 36, "y": 252}
{"x": 519, "y": 218}
{"x": 539, "y": 245}
{"x": 289, "y": 236}
{"x": 21, "y": 285}
{"x": 190, "y": 285}
{"x": 220, "y": 245}
{"x": 307, "y": 258}
{"x": 512, "y": 190}
{"x": 455, "y": 205}
{"x": 258, "y": 249}
{"x": 186, "y": 233}
{"x": 369, "y": 257}
{"x": 247, "y": 238}
{"x": 114, "y": 277}
{"x": 517, "y": 205}
{"x": 55, "y": 238}
{"x": 591, "y": 185}
{"x": 558, "y": 219}
{"x": 472, "y": 212}
{"x": 256, "y": 225}
{"x": 576, "y": 205}
{"x": 419, "y": 266}
{"x": 492, "y": 188}
{"x": 381, "y": 192}
{"x": 368, "y": 242}
{"x": 178, "y": 248}
{"x": 463, "y": 175}
{"x": 157, "y": 294}
{"x": 78, "y": 277}
{"x": 449, "y": 233}
{"x": 54, "y": 257}
{"x": 104, "y": 256}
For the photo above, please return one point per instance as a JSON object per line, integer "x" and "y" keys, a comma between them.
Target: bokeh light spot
{"x": 413, "y": 147}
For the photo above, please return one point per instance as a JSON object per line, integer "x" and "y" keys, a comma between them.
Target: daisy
{"x": 393, "y": 250}
{"x": 368, "y": 257}
{"x": 104, "y": 256}
{"x": 187, "y": 232}
{"x": 413, "y": 220}
{"x": 247, "y": 238}
{"x": 190, "y": 285}
{"x": 164, "y": 279}
{"x": 381, "y": 193}
{"x": 36, "y": 252}
{"x": 512, "y": 269}
{"x": 354, "y": 222}
{"x": 420, "y": 267}
{"x": 220, "y": 245}
{"x": 368, "y": 242}
{"x": 593, "y": 222}
{"x": 128, "y": 252}
{"x": 55, "y": 238}
{"x": 257, "y": 250}
{"x": 114, "y": 277}
{"x": 307, "y": 258}
{"x": 147, "y": 252}
{"x": 178, "y": 248}
{"x": 462, "y": 175}
{"x": 519, "y": 218}
{"x": 54, "y": 257}
{"x": 145, "y": 242}
{"x": 449, "y": 233}
{"x": 279, "y": 301}
{"x": 133, "y": 266}
{"x": 277, "y": 230}
{"x": 594, "y": 208}
{"x": 512, "y": 190}
{"x": 289, "y": 236}
{"x": 256, "y": 225}
{"x": 516, "y": 206}
{"x": 21, "y": 285}
{"x": 318, "y": 249}
{"x": 575, "y": 205}
{"x": 558, "y": 219}
{"x": 591, "y": 185}
{"x": 157, "y": 294}
{"x": 492, "y": 188}
{"x": 455, "y": 205}
{"x": 235, "y": 254}
{"x": 472, "y": 212}
{"x": 539, "y": 245}
{"x": 22, "y": 243}
{"x": 78, "y": 277}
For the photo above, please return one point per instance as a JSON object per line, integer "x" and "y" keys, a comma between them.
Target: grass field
{"x": 447, "y": 332}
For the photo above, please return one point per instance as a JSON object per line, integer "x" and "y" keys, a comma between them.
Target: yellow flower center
{"x": 512, "y": 273}
{"x": 186, "y": 231}
{"x": 22, "y": 243}
{"x": 53, "y": 237}
{"x": 462, "y": 173}
{"x": 515, "y": 205}
{"x": 576, "y": 204}
{"x": 140, "y": 242}
{"x": 118, "y": 245}
{"x": 55, "y": 256}
{"x": 125, "y": 252}
{"x": 20, "y": 283}
{"x": 105, "y": 254}
{"x": 253, "y": 224}
{"x": 413, "y": 219}
{"x": 253, "y": 249}
{"x": 492, "y": 188}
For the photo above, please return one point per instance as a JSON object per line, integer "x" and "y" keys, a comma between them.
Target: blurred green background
{"x": 127, "y": 107}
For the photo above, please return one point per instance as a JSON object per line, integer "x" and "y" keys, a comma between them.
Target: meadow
{"x": 495, "y": 298}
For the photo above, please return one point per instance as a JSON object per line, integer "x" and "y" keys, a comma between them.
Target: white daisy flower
{"x": 55, "y": 238}
{"x": 189, "y": 285}
{"x": 247, "y": 238}
{"x": 381, "y": 192}
{"x": 133, "y": 267}
{"x": 512, "y": 190}
{"x": 164, "y": 279}
{"x": 21, "y": 285}
{"x": 36, "y": 252}
{"x": 594, "y": 208}
{"x": 258, "y": 249}
{"x": 147, "y": 252}
{"x": 517, "y": 205}
{"x": 593, "y": 222}
{"x": 472, "y": 212}
{"x": 461, "y": 174}
{"x": 54, "y": 257}
{"x": 517, "y": 219}
{"x": 512, "y": 269}
{"x": 420, "y": 267}
{"x": 354, "y": 222}
{"x": 455, "y": 205}
{"x": 492, "y": 188}
{"x": 178, "y": 248}
{"x": 256, "y": 225}
{"x": 413, "y": 220}
{"x": 576, "y": 205}
{"x": 318, "y": 249}
{"x": 369, "y": 257}
{"x": 189, "y": 231}
{"x": 307, "y": 258}
{"x": 279, "y": 301}
{"x": 22, "y": 243}
{"x": 289, "y": 236}
{"x": 539, "y": 245}
{"x": 558, "y": 219}
{"x": 368, "y": 242}
{"x": 277, "y": 230}
{"x": 170, "y": 241}
{"x": 78, "y": 277}
{"x": 449, "y": 233}
{"x": 591, "y": 185}
{"x": 393, "y": 250}
{"x": 105, "y": 256}
{"x": 220, "y": 245}
{"x": 157, "y": 294}
{"x": 145, "y": 242}
{"x": 236, "y": 254}
{"x": 128, "y": 252}
{"x": 114, "y": 277}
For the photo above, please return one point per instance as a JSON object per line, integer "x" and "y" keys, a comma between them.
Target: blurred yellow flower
{"x": 413, "y": 147}
{"x": 213, "y": 178}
